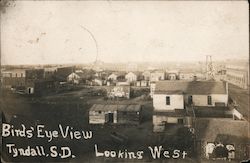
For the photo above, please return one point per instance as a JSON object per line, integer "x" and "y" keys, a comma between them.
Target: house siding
{"x": 159, "y": 102}
{"x": 99, "y": 118}
{"x": 131, "y": 77}
{"x": 201, "y": 100}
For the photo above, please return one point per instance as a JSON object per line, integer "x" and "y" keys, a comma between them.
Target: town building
{"x": 32, "y": 77}
{"x": 122, "y": 83}
{"x": 34, "y": 74}
{"x": 176, "y": 101}
{"x": 112, "y": 77}
{"x": 142, "y": 83}
{"x": 190, "y": 76}
{"x": 98, "y": 82}
{"x": 172, "y": 75}
{"x": 73, "y": 78}
{"x": 115, "y": 114}
{"x": 62, "y": 73}
{"x": 146, "y": 75}
{"x": 13, "y": 78}
{"x": 131, "y": 77}
{"x": 49, "y": 73}
{"x": 238, "y": 75}
{"x": 157, "y": 75}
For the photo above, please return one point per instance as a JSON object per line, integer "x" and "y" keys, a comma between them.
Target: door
{"x": 110, "y": 117}
{"x": 190, "y": 100}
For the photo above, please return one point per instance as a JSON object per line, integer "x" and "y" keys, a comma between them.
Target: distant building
{"x": 131, "y": 77}
{"x": 34, "y": 74}
{"x": 152, "y": 89}
{"x": 172, "y": 75}
{"x": 115, "y": 114}
{"x": 14, "y": 78}
{"x": 49, "y": 73}
{"x": 17, "y": 73}
{"x": 122, "y": 83}
{"x": 146, "y": 75}
{"x": 62, "y": 73}
{"x": 73, "y": 78}
{"x": 187, "y": 76}
{"x": 142, "y": 83}
{"x": 157, "y": 76}
{"x": 32, "y": 77}
{"x": 238, "y": 75}
{"x": 42, "y": 87}
{"x": 112, "y": 77}
{"x": 98, "y": 82}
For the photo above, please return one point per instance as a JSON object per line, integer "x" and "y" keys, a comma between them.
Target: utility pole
{"x": 209, "y": 68}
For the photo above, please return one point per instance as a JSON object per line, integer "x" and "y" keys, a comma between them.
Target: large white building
{"x": 171, "y": 100}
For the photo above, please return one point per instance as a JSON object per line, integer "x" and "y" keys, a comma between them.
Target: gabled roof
{"x": 157, "y": 71}
{"x": 113, "y": 107}
{"x": 81, "y": 74}
{"x": 190, "y": 87}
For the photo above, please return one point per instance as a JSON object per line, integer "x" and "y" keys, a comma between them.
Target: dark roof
{"x": 81, "y": 74}
{"x": 175, "y": 113}
{"x": 218, "y": 129}
{"x": 206, "y": 111}
{"x": 190, "y": 87}
{"x": 113, "y": 107}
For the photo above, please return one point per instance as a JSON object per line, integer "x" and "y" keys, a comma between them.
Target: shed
{"x": 114, "y": 114}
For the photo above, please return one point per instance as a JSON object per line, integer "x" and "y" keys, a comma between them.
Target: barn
{"x": 115, "y": 114}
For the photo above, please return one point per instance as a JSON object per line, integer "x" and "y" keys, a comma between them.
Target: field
{"x": 71, "y": 109}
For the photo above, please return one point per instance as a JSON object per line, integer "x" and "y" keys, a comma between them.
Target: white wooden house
{"x": 98, "y": 82}
{"x": 131, "y": 77}
{"x": 187, "y": 76}
{"x": 172, "y": 75}
{"x": 146, "y": 75}
{"x": 112, "y": 77}
{"x": 173, "y": 97}
{"x": 157, "y": 76}
{"x": 73, "y": 78}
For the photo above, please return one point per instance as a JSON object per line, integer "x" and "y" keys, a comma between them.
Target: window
{"x": 167, "y": 100}
{"x": 190, "y": 100}
{"x": 209, "y": 100}
{"x": 180, "y": 121}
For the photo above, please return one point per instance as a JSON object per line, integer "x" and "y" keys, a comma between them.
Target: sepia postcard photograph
{"x": 124, "y": 81}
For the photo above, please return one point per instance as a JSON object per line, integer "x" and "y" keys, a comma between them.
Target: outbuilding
{"x": 115, "y": 114}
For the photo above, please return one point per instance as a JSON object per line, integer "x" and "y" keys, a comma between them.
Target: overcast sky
{"x": 48, "y": 32}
